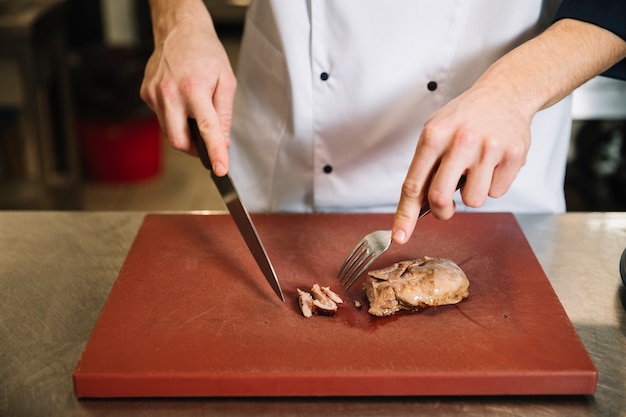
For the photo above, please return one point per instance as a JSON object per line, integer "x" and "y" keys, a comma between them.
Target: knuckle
{"x": 410, "y": 189}
{"x": 206, "y": 125}
{"x": 403, "y": 217}
{"x": 437, "y": 199}
{"x": 490, "y": 145}
{"x": 145, "y": 94}
{"x": 431, "y": 135}
{"x": 188, "y": 85}
{"x": 229, "y": 82}
{"x": 519, "y": 152}
{"x": 149, "y": 93}
{"x": 178, "y": 142}
{"x": 162, "y": 91}
{"x": 465, "y": 138}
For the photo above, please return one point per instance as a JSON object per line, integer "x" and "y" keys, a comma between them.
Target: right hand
{"x": 189, "y": 75}
{"x": 484, "y": 134}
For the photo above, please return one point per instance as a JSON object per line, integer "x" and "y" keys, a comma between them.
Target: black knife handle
{"x": 197, "y": 140}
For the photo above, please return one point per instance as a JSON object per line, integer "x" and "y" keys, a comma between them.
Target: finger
{"x": 147, "y": 90}
{"x": 503, "y": 176}
{"x": 467, "y": 156}
{"x": 476, "y": 188}
{"x": 407, "y": 211}
{"x": 223, "y": 101}
{"x": 214, "y": 138}
{"x": 454, "y": 162}
{"x": 413, "y": 189}
{"x": 162, "y": 96}
{"x": 173, "y": 120}
{"x": 507, "y": 170}
{"x": 478, "y": 181}
{"x": 442, "y": 188}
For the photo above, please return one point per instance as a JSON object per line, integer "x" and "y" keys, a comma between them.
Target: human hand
{"x": 482, "y": 134}
{"x": 189, "y": 75}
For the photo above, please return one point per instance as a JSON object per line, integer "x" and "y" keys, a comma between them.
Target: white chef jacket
{"x": 332, "y": 97}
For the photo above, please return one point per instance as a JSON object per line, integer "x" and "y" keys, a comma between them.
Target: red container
{"x": 121, "y": 150}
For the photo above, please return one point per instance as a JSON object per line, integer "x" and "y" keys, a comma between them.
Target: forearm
{"x": 189, "y": 75}
{"x": 544, "y": 70}
{"x": 167, "y": 15}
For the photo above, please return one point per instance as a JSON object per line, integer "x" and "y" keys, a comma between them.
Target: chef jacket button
{"x": 432, "y": 86}
{"x": 328, "y": 169}
{"x": 324, "y": 76}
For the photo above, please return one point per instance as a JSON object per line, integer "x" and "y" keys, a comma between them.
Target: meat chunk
{"x": 320, "y": 301}
{"x": 332, "y": 295}
{"x": 413, "y": 284}
{"x": 306, "y": 303}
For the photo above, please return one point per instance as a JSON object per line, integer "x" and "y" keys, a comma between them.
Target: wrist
{"x": 166, "y": 15}
{"x": 544, "y": 70}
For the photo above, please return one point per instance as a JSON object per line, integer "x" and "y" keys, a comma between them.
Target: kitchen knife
{"x": 239, "y": 213}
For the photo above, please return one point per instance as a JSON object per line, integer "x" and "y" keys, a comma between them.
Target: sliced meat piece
{"x": 322, "y": 303}
{"x": 328, "y": 308}
{"x": 332, "y": 295}
{"x": 306, "y": 303}
{"x": 414, "y": 284}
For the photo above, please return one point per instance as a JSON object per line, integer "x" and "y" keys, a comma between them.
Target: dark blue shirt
{"x": 607, "y": 14}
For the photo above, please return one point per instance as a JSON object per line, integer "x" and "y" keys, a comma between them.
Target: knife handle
{"x": 197, "y": 140}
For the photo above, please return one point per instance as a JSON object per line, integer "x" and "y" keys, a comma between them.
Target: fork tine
{"x": 347, "y": 264}
{"x": 357, "y": 273}
{"x": 362, "y": 256}
{"x": 355, "y": 263}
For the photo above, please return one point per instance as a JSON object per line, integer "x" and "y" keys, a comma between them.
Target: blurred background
{"x": 74, "y": 134}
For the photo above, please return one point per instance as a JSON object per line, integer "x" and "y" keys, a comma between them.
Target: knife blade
{"x": 237, "y": 210}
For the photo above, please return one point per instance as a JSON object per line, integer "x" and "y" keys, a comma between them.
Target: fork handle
{"x": 426, "y": 207}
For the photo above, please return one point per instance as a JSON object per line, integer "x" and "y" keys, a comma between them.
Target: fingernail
{"x": 218, "y": 167}
{"x": 399, "y": 236}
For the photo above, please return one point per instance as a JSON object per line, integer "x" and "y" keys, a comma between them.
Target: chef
{"x": 369, "y": 105}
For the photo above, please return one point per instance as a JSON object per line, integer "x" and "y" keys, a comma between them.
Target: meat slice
{"x": 332, "y": 295}
{"x": 413, "y": 284}
{"x": 305, "y": 300}
{"x": 321, "y": 301}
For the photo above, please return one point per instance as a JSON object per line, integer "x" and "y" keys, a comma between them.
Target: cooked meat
{"x": 413, "y": 284}
{"x": 321, "y": 301}
{"x": 306, "y": 303}
{"x": 321, "y": 308}
{"x": 332, "y": 295}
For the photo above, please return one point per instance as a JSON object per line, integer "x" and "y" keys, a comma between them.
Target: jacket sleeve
{"x": 608, "y": 14}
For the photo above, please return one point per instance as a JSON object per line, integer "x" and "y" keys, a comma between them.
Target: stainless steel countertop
{"x": 57, "y": 268}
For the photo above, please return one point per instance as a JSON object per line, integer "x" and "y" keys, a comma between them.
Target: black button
{"x": 328, "y": 169}
{"x": 432, "y": 86}
{"x": 324, "y": 76}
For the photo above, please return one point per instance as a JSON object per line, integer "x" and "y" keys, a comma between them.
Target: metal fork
{"x": 370, "y": 248}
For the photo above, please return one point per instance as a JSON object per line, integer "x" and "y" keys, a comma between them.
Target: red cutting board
{"x": 191, "y": 315}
